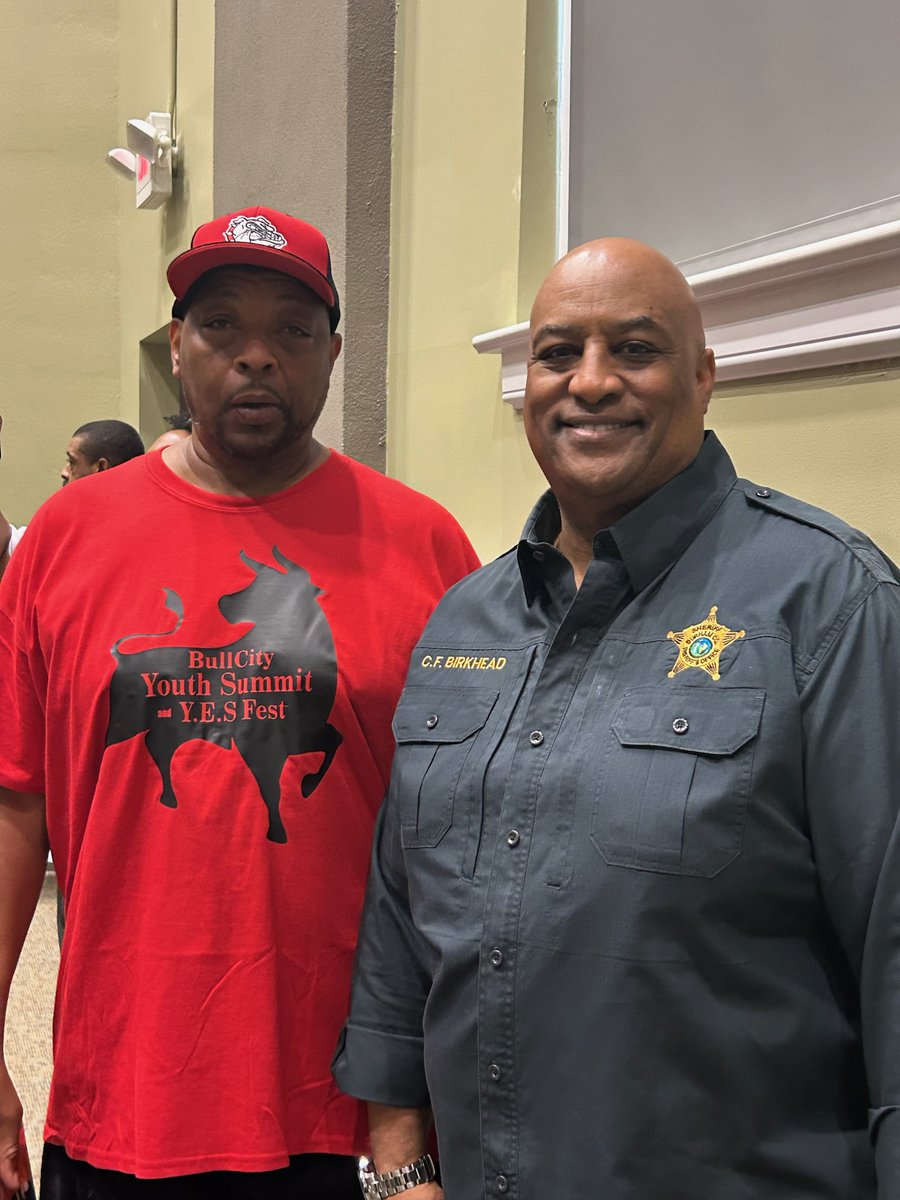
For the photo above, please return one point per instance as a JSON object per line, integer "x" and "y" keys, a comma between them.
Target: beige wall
{"x": 149, "y": 238}
{"x": 59, "y": 316}
{"x": 83, "y": 269}
{"x": 263, "y": 114}
{"x": 471, "y": 239}
{"x": 454, "y": 261}
{"x": 832, "y": 439}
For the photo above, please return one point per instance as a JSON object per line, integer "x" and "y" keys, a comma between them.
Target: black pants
{"x": 309, "y": 1177}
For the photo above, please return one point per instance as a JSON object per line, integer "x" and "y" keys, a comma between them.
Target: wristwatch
{"x": 376, "y": 1185}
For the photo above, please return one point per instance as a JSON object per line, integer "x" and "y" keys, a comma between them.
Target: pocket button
{"x": 680, "y": 725}
{"x": 431, "y": 721}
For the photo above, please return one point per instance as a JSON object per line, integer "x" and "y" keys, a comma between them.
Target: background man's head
{"x": 253, "y": 334}
{"x": 619, "y": 377}
{"x": 99, "y": 445}
{"x": 179, "y": 429}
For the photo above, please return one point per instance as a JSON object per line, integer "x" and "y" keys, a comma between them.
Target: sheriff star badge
{"x": 700, "y": 645}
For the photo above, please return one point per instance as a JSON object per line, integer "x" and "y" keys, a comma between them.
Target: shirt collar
{"x": 652, "y": 536}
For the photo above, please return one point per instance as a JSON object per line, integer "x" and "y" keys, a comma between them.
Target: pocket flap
{"x": 699, "y": 720}
{"x": 449, "y": 714}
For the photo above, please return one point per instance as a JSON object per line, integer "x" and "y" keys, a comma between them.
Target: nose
{"x": 65, "y": 473}
{"x": 596, "y": 378}
{"x": 256, "y": 354}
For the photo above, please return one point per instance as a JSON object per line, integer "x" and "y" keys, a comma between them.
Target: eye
{"x": 296, "y": 331}
{"x": 558, "y": 354}
{"x": 637, "y": 351}
{"x": 217, "y": 323}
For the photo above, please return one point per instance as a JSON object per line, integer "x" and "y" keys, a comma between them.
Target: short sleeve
{"x": 22, "y": 688}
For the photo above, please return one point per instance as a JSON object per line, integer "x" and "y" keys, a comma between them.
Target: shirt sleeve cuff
{"x": 884, "y": 1127}
{"x": 386, "y": 1068}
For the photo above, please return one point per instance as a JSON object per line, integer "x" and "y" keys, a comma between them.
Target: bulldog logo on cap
{"x": 258, "y": 230}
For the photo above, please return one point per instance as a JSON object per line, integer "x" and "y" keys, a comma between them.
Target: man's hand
{"x": 15, "y": 1169}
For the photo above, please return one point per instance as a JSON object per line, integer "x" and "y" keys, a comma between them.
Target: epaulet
{"x": 862, "y": 547}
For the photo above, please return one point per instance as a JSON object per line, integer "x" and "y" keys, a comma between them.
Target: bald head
{"x": 619, "y": 379}
{"x": 619, "y": 265}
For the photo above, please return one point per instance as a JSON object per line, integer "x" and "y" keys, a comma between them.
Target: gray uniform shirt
{"x": 633, "y": 921}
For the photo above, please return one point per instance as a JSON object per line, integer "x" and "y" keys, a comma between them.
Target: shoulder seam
{"x": 857, "y": 544}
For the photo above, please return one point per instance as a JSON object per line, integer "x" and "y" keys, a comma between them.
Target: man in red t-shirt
{"x": 201, "y": 729}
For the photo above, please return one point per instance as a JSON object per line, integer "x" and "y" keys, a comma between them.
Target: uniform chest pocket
{"x": 436, "y": 731}
{"x": 673, "y": 784}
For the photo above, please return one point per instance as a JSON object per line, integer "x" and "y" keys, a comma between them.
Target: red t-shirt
{"x": 202, "y": 686}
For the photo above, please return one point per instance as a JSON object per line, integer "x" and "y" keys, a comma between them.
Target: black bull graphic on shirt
{"x": 269, "y": 694}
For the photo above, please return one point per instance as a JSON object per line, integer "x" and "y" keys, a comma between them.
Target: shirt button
{"x": 494, "y": 1072}
{"x": 496, "y": 958}
{"x": 680, "y": 725}
{"x": 431, "y": 721}
{"x": 502, "y": 1183}
{"x": 538, "y": 555}
{"x": 536, "y": 737}
{"x": 512, "y": 838}
{"x": 763, "y": 493}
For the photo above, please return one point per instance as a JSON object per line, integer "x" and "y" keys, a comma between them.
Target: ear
{"x": 334, "y": 348}
{"x": 175, "y": 328}
{"x": 102, "y": 464}
{"x": 706, "y": 377}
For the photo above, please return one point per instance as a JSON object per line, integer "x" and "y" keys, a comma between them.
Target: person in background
{"x": 93, "y": 447}
{"x": 633, "y": 922}
{"x": 99, "y": 445}
{"x": 179, "y": 428}
{"x": 202, "y": 729}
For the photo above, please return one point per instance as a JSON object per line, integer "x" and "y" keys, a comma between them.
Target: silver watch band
{"x": 376, "y": 1186}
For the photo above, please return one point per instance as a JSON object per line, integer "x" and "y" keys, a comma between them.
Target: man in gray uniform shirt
{"x": 633, "y": 923}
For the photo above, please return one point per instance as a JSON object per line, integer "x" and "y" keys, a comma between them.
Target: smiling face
{"x": 618, "y": 379}
{"x": 254, "y": 355}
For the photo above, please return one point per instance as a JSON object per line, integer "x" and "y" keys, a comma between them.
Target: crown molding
{"x": 822, "y": 304}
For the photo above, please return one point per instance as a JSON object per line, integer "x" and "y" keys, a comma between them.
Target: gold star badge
{"x": 700, "y": 645}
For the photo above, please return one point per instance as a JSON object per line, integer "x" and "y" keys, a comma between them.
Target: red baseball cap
{"x": 257, "y": 237}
